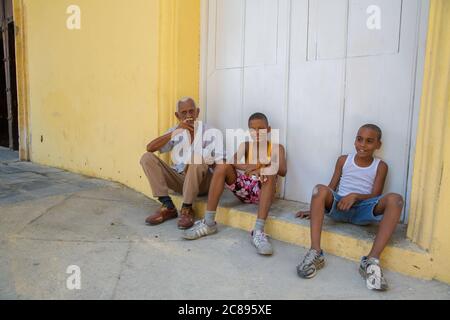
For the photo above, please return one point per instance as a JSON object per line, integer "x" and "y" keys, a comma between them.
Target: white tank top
{"x": 357, "y": 179}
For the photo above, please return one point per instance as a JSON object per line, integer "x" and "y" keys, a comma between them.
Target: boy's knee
{"x": 271, "y": 179}
{"x": 394, "y": 199}
{"x": 222, "y": 168}
{"x": 319, "y": 190}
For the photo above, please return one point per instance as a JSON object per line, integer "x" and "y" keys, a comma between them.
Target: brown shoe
{"x": 163, "y": 214}
{"x": 186, "y": 218}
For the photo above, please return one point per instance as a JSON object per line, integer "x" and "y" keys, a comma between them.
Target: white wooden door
{"x": 319, "y": 69}
{"x": 247, "y": 58}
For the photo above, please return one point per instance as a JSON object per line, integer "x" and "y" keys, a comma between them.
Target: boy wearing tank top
{"x": 354, "y": 195}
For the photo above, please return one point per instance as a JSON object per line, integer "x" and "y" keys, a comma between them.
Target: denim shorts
{"x": 361, "y": 213}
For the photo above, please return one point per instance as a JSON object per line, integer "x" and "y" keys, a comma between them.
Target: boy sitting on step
{"x": 253, "y": 181}
{"x": 354, "y": 195}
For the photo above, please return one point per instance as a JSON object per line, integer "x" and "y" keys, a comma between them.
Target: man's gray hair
{"x": 185, "y": 99}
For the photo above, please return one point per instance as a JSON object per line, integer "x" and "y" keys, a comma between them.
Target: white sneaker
{"x": 199, "y": 230}
{"x": 261, "y": 242}
{"x": 311, "y": 263}
{"x": 371, "y": 271}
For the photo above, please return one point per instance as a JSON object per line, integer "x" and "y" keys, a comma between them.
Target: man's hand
{"x": 303, "y": 215}
{"x": 184, "y": 125}
{"x": 347, "y": 202}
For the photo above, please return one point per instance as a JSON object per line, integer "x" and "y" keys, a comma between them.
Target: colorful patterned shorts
{"x": 246, "y": 188}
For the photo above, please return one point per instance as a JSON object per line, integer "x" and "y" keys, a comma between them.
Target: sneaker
{"x": 261, "y": 242}
{"x": 312, "y": 262}
{"x": 371, "y": 271}
{"x": 199, "y": 230}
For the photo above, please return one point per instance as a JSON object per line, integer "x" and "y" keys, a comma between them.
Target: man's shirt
{"x": 182, "y": 140}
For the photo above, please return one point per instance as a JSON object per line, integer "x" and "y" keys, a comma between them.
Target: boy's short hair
{"x": 258, "y": 116}
{"x": 375, "y": 128}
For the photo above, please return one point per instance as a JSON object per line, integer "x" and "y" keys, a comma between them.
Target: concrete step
{"x": 340, "y": 239}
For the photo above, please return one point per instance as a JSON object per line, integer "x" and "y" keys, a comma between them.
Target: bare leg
{"x": 266, "y": 196}
{"x": 391, "y": 207}
{"x": 222, "y": 173}
{"x": 322, "y": 199}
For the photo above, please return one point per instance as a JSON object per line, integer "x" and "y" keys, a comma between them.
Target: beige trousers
{"x": 162, "y": 177}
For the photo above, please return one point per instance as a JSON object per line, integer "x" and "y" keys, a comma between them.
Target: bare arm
{"x": 334, "y": 183}
{"x": 281, "y": 161}
{"x": 161, "y": 141}
{"x": 379, "y": 182}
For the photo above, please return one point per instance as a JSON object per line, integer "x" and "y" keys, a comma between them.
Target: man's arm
{"x": 347, "y": 202}
{"x": 159, "y": 143}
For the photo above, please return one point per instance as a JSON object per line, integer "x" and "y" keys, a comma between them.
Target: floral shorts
{"x": 246, "y": 188}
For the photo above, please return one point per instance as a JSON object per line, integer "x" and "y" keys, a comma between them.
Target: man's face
{"x": 367, "y": 141}
{"x": 187, "y": 112}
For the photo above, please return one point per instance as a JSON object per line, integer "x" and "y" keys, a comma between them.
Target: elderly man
{"x": 190, "y": 180}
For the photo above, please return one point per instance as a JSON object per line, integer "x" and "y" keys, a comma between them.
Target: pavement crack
{"x": 103, "y": 199}
{"x": 16, "y": 237}
{"x": 122, "y": 265}
{"x": 46, "y": 211}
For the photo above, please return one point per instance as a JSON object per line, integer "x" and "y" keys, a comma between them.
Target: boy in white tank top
{"x": 354, "y": 195}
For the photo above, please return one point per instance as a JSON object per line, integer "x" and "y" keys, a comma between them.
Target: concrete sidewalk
{"x": 51, "y": 219}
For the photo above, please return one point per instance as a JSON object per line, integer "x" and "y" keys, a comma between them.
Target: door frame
{"x": 416, "y": 94}
{"x": 204, "y": 33}
{"x": 22, "y": 81}
{"x": 6, "y": 18}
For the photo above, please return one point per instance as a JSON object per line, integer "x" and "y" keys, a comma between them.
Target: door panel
{"x": 366, "y": 42}
{"x": 229, "y": 33}
{"x": 261, "y": 32}
{"x": 316, "y": 99}
{"x": 251, "y": 76}
{"x": 327, "y": 29}
{"x": 224, "y": 93}
{"x": 319, "y": 72}
{"x": 314, "y": 124}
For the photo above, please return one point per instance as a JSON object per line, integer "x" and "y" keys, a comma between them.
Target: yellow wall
{"x": 96, "y": 95}
{"x": 430, "y": 203}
